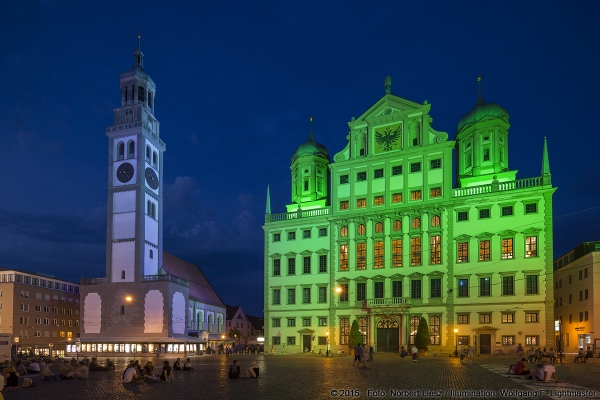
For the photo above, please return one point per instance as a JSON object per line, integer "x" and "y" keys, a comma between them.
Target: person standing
{"x": 371, "y": 351}
{"x": 520, "y": 351}
{"x": 403, "y": 353}
{"x": 357, "y": 353}
{"x": 470, "y": 353}
{"x": 415, "y": 353}
{"x": 364, "y": 355}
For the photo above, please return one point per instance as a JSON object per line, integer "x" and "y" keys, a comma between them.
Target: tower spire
{"x": 268, "y": 210}
{"x": 310, "y": 135}
{"x": 479, "y": 96}
{"x": 545, "y": 160}
{"x": 138, "y": 56}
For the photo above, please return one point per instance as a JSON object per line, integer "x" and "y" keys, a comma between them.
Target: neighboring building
{"x": 149, "y": 301}
{"x": 382, "y": 237}
{"x": 576, "y": 281}
{"x": 237, "y": 319}
{"x": 40, "y": 311}
{"x": 257, "y": 329}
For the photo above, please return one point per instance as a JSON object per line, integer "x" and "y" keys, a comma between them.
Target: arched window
{"x": 378, "y": 227}
{"x": 131, "y": 149}
{"x": 344, "y": 330}
{"x": 416, "y": 224}
{"x": 141, "y": 94}
{"x": 361, "y": 229}
{"x": 150, "y": 99}
{"x": 210, "y": 322}
{"x": 154, "y": 159}
{"x": 362, "y": 327}
{"x": 123, "y": 274}
{"x": 151, "y": 254}
{"x": 397, "y": 225}
{"x": 122, "y": 310}
{"x": 434, "y": 329}
{"x": 414, "y": 326}
{"x": 435, "y": 221}
{"x": 344, "y": 231}
{"x": 200, "y": 319}
{"x": 220, "y": 327}
{"x": 120, "y": 151}
{"x": 148, "y": 153}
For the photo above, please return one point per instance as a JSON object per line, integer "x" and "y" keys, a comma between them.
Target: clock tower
{"x": 135, "y": 172}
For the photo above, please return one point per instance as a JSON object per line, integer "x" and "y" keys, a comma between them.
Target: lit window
{"x": 415, "y": 195}
{"x": 435, "y": 221}
{"x": 508, "y": 340}
{"x": 485, "y": 318}
{"x": 415, "y": 247}
{"x": 396, "y": 253}
{"x": 344, "y": 257}
{"x": 463, "y": 318}
{"x": 379, "y": 252}
{"x": 361, "y": 229}
{"x": 530, "y": 246}
{"x": 484, "y": 250}
{"x": 397, "y": 198}
{"x": 361, "y": 250}
{"x": 436, "y": 250}
{"x": 435, "y": 192}
{"x": 416, "y": 223}
{"x": 361, "y": 203}
{"x": 507, "y": 249}
{"x": 344, "y": 231}
{"x": 397, "y": 225}
{"x": 378, "y": 227}
{"x": 378, "y": 200}
{"x": 531, "y": 317}
{"x": 344, "y": 205}
{"x": 532, "y": 340}
{"x": 463, "y": 252}
{"x": 508, "y": 318}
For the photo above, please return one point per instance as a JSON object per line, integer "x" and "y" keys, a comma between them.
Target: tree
{"x": 355, "y": 336}
{"x": 235, "y": 333}
{"x": 422, "y": 339}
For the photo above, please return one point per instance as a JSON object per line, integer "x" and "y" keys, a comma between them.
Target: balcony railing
{"x": 500, "y": 187}
{"x": 389, "y": 302}
{"x": 317, "y": 212}
{"x": 166, "y": 277}
{"x": 92, "y": 281}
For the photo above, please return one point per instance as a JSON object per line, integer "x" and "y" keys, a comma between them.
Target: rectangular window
{"x": 397, "y": 170}
{"x": 484, "y": 213}
{"x": 435, "y": 249}
{"x": 378, "y": 256}
{"x": 415, "y": 195}
{"x": 378, "y": 200}
{"x": 530, "y": 208}
{"x": 322, "y": 263}
{"x": 415, "y": 251}
{"x": 306, "y": 295}
{"x": 462, "y": 216}
{"x": 322, "y": 294}
{"x": 306, "y": 269}
{"x": 532, "y": 284}
{"x": 585, "y": 272}
{"x": 344, "y": 205}
{"x": 463, "y": 340}
{"x": 276, "y": 322}
{"x": 531, "y": 317}
{"x": 276, "y": 267}
{"x": 508, "y": 340}
{"x": 485, "y": 287}
{"x": 507, "y": 249}
{"x": 463, "y": 318}
{"x": 361, "y": 259}
{"x": 484, "y": 250}
{"x": 463, "y": 288}
{"x": 291, "y": 235}
{"x": 291, "y": 296}
{"x": 530, "y": 246}
{"x": 276, "y": 339}
{"x": 343, "y": 257}
{"x": 485, "y": 318}
{"x": 415, "y": 167}
{"x": 396, "y": 288}
{"x": 433, "y": 164}
{"x": 291, "y": 340}
{"x": 322, "y": 321}
{"x": 344, "y": 179}
{"x": 508, "y": 285}
{"x": 532, "y": 340}
{"x": 322, "y": 232}
{"x": 585, "y": 294}
{"x": 507, "y": 210}
{"x": 291, "y": 266}
{"x": 378, "y": 173}
{"x": 508, "y": 318}
{"x": 361, "y": 203}
{"x": 396, "y": 253}
{"x": 378, "y": 290}
{"x": 436, "y": 288}
{"x": 435, "y": 192}
{"x": 276, "y": 296}
{"x": 361, "y": 176}
{"x": 397, "y": 198}
{"x": 306, "y": 234}
{"x": 415, "y": 289}
{"x": 277, "y": 237}
{"x": 344, "y": 292}
{"x": 361, "y": 291}
{"x": 463, "y": 252}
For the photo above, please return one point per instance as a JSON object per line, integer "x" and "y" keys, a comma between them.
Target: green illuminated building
{"x": 381, "y": 235}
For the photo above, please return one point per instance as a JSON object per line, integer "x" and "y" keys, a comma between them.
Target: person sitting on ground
{"x": 177, "y": 364}
{"x": 94, "y": 365}
{"x": 580, "y": 355}
{"x": 47, "y": 374}
{"x": 549, "y": 372}
{"x": 234, "y": 370}
{"x": 86, "y": 362}
{"x": 519, "y": 367}
{"x": 589, "y": 353}
{"x": 34, "y": 367}
{"x": 21, "y": 368}
{"x": 187, "y": 366}
{"x": 66, "y": 371}
{"x": 12, "y": 378}
{"x": 131, "y": 375}
{"x": 167, "y": 373}
{"x": 149, "y": 372}
{"x": 253, "y": 371}
{"x": 82, "y": 371}
{"x": 73, "y": 362}
{"x": 139, "y": 368}
{"x": 110, "y": 365}
{"x": 538, "y": 373}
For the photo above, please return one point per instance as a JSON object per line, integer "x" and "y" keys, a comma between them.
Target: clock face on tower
{"x": 125, "y": 172}
{"x": 151, "y": 178}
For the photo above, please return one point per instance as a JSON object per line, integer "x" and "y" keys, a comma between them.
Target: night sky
{"x": 236, "y": 84}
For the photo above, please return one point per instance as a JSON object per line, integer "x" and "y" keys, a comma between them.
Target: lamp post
{"x": 455, "y": 342}
{"x": 327, "y": 352}
{"x": 559, "y": 347}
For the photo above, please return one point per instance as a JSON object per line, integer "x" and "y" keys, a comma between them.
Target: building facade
{"x": 381, "y": 235}
{"x": 576, "y": 280}
{"x": 149, "y": 300}
{"x": 40, "y": 311}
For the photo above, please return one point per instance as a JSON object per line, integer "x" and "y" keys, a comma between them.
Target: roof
{"x": 311, "y": 148}
{"x": 200, "y": 287}
{"x": 480, "y": 111}
{"x": 231, "y": 310}
{"x": 257, "y": 322}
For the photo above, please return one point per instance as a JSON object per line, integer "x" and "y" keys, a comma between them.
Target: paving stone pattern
{"x": 303, "y": 377}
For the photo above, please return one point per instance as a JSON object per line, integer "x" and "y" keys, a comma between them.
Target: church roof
{"x": 200, "y": 287}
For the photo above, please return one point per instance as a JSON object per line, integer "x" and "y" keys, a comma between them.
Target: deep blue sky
{"x": 236, "y": 83}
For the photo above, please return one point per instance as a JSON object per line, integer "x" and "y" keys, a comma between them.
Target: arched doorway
{"x": 388, "y": 331}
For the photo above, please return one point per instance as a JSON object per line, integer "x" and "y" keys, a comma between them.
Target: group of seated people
{"x": 536, "y": 355}
{"x": 135, "y": 373}
{"x": 582, "y": 356}
{"x": 187, "y": 366}
{"x": 234, "y": 370}
{"x": 543, "y": 372}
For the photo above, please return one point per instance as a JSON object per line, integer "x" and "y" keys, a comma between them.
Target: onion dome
{"x": 481, "y": 111}
{"x": 310, "y": 148}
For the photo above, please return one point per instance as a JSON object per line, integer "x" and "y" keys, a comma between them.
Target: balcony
{"x": 389, "y": 302}
{"x": 317, "y": 212}
{"x": 500, "y": 187}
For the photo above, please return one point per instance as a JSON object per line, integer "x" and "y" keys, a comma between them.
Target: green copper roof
{"x": 310, "y": 148}
{"x": 480, "y": 111}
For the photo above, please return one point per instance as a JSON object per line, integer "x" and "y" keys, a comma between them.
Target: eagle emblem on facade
{"x": 388, "y": 137}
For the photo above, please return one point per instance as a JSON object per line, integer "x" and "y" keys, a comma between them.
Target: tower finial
{"x": 545, "y": 159}
{"x": 310, "y": 135}
{"x": 268, "y": 210}
{"x": 388, "y": 84}
{"x": 479, "y": 96}
{"x": 139, "y": 40}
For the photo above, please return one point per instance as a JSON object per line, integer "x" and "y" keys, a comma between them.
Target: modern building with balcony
{"x": 404, "y": 223}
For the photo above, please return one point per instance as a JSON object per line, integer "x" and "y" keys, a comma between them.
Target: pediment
{"x": 391, "y": 104}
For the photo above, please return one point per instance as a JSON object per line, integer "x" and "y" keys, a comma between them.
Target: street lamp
{"x": 558, "y": 328}
{"x": 327, "y": 352}
{"x": 455, "y": 342}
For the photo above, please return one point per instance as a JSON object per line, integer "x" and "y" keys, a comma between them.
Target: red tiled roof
{"x": 200, "y": 287}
